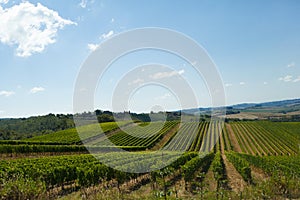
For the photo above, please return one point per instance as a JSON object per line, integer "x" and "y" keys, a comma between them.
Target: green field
{"x": 255, "y": 159}
{"x": 71, "y": 136}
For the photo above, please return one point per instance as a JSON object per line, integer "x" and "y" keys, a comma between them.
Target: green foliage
{"x": 266, "y": 138}
{"x": 85, "y": 170}
{"x": 241, "y": 165}
{"x": 194, "y": 164}
{"x": 145, "y": 137}
{"x": 19, "y": 187}
{"x": 28, "y": 127}
{"x": 72, "y": 137}
{"x": 284, "y": 172}
{"x": 287, "y": 165}
{"x": 218, "y": 168}
{"x": 24, "y": 148}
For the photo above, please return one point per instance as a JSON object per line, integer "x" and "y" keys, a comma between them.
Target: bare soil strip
{"x": 235, "y": 180}
{"x": 209, "y": 181}
{"x": 258, "y": 174}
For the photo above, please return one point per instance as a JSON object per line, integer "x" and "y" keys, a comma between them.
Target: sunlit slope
{"x": 71, "y": 135}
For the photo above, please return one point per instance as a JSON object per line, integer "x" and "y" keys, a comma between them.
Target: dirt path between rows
{"x": 233, "y": 140}
{"x": 235, "y": 180}
{"x": 258, "y": 174}
{"x": 209, "y": 181}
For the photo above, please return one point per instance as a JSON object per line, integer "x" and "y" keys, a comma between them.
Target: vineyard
{"x": 237, "y": 160}
{"x": 144, "y": 138}
{"x": 263, "y": 138}
{"x": 71, "y": 136}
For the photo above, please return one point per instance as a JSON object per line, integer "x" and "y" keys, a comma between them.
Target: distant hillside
{"x": 21, "y": 128}
{"x": 28, "y": 127}
{"x": 286, "y": 110}
{"x": 276, "y": 105}
{"x": 283, "y": 103}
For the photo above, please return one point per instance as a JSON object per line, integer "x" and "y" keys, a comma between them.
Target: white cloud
{"x": 4, "y": 1}
{"x": 36, "y": 90}
{"x": 297, "y": 79}
{"x": 83, "y": 3}
{"x": 286, "y": 78}
{"x": 292, "y": 64}
{"x": 107, "y": 35}
{"x": 228, "y": 85}
{"x": 112, "y": 20}
{"x": 265, "y": 83}
{"x": 161, "y": 75}
{"x": 181, "y": 71}
{"x": 93, "y": 47}
{"x": 30, "y": 27}
{"x": 136, "y": 81}
{"x": 242, "y": 83}
{"x": 6, "y": 93}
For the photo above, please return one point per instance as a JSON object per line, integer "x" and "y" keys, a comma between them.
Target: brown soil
{"x": 210, "y": 181}
{"x": 233, "y": 140}
{"x": 258, "y": 174}
{"x": 235, "y": 180}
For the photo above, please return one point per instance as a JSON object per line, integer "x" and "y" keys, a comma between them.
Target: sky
{"x": 255, "y": 46}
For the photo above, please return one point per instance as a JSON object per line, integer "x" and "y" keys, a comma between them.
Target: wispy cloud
{"x": 242, "y": 83}
{"x": 297, "y": 79}
{"x": 6, "y": 93}
{"x": 30, "y": 27}
{"x": 36, "y": 90}
{"x": 112, "y": 20}
{"x": 265, "y": 83}
{"x": 136, "y": 81}
{"x": 228, "y": 84}
{"x": 286, "y": 78}
{"x": 107, "y": 35}
{"x": 161, "y": 75}
{"x": 83, "y": 3}
{"x": 92, "y": 47}
{"x": 292, "y": 64}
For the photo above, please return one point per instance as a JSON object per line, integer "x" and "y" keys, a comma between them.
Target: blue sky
{"x": 255, "y": 45}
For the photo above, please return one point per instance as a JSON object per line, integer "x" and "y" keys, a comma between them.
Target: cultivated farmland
{"x": 214, "y": 160}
